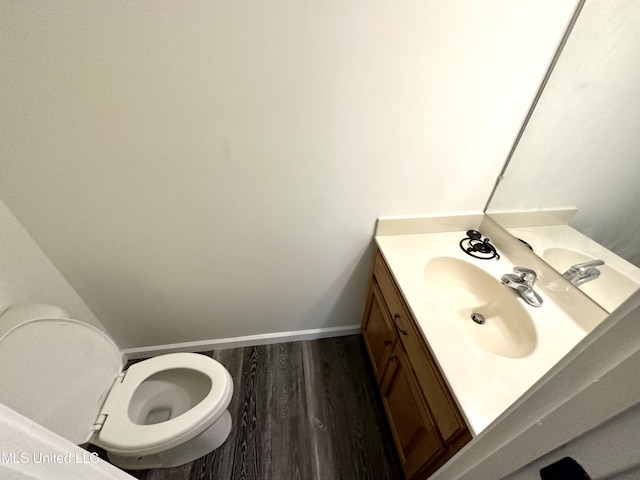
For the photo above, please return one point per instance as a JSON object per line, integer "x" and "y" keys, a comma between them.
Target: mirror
{"x": 571, "y": 188}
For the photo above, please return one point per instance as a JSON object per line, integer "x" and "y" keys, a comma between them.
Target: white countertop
{"x": 484, "y": 384}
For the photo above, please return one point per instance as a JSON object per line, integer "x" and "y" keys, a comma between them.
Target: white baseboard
{"x": 235, "y": 342}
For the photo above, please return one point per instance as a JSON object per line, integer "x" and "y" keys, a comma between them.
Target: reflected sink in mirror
{"x": 609, "y": 290}
{"x": 457, "y": 289}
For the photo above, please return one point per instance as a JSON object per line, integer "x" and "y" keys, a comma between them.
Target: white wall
{"x": 609, "y": 451}
{"x": 581, "y": 146}
{"x": 28, "y": 276}
{"x": 210, "y": 169}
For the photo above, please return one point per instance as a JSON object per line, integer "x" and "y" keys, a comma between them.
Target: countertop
{"x": 483, "y": 383}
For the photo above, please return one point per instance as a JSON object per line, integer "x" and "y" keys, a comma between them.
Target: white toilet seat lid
{"x": 121, "y": 435}
{"x": 58, "y": 372}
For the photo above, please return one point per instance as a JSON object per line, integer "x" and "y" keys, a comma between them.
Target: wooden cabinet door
{"x": 441, "y": 403}
{"x": 379, "y": 335}
{"x": 413, "y": 431}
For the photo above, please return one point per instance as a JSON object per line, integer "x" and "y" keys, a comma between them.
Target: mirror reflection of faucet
{"x": 522, "y": 281}
{"x": 583, "y": 272}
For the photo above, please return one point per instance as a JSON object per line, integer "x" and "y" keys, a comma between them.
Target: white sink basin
{"x": 609, "y": 290}
{"x": 458, "y": 289}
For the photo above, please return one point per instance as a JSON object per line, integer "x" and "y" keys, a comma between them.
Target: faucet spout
{"x": 522, "y": 281}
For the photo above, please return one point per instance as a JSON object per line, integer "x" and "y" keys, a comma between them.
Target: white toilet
{"x": 68, "y": 376}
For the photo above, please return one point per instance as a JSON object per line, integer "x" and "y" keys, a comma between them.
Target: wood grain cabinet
{"x": 426, "y": 424}
{"x": 379, "y": 333}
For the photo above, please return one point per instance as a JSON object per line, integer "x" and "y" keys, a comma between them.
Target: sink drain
{"x": 478, "y": 318}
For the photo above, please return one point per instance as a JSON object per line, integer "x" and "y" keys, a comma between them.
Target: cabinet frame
{"x": 376, "y": 323}
{"x": 440, "y": 427}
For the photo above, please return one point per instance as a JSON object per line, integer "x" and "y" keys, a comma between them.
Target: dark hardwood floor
{"x": 303, "y": 410}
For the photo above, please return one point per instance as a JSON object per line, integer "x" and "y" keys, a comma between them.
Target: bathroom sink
{"x": 458, "y": 289}
{"x": 609, "y": 290}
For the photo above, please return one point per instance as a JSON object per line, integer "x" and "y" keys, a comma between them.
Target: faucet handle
{"x": 583, "y": 268}
{"x": 527, "y": 275}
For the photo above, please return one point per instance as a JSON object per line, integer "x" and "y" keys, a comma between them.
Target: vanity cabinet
{"x": 380, "y": 336}
{"x": 426, "y": 424}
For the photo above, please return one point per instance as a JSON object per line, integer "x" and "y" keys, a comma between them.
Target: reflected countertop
{"x": 562, "y": 246}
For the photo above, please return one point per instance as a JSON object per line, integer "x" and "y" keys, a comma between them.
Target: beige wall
{"x": 210, "y": 169}
{"x": 28, "y": 276}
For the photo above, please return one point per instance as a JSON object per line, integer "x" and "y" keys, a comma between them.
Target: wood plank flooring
{"x": 303, "y": 410}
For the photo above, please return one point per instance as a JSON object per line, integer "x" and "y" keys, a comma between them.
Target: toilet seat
{"x": 56, "y": 371}
{"x": 68, "y": 376}
{"x": 120, "y": 435}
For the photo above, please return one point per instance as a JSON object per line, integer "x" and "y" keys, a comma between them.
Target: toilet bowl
{"x": 68, "y": 376}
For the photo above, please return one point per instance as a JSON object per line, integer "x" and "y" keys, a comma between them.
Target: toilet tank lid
{"x": 57, "y": 372}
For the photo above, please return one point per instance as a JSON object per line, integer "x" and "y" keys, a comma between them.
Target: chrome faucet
{"x": 583, "y": 272}
{"x": 522, "y": 281}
